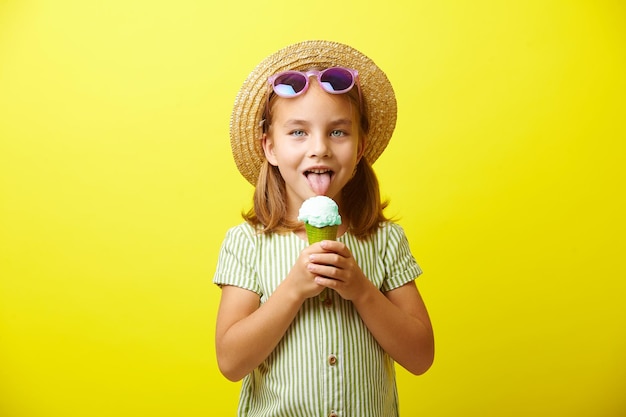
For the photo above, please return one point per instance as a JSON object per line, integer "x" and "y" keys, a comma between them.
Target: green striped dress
{"x": 328, "y": 363}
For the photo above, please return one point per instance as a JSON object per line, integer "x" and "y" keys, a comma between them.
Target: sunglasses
{"x": 289, "y": 84}
{"x": 334, "y": 80}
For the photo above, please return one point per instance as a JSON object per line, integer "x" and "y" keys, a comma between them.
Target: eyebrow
{"x": 295, "y": 122}
{"x": 341, "y": 122}
{"x": 302, "y": 122}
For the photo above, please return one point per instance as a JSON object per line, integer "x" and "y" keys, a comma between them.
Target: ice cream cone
{"x": 317, "y": 234}
{"x": 321, "y": 218}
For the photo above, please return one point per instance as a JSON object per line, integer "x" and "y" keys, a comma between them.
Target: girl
{"x": 310, "y": 120}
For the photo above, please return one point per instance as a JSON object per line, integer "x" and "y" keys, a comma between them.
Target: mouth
{"x": 319, "y": 179}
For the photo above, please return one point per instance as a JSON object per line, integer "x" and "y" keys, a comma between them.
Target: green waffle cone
{"x": 317, "y": 234}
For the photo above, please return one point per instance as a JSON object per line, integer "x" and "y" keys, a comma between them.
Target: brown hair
{"x": 362, "y": 208}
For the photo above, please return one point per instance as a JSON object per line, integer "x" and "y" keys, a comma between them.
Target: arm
{"x": 398, "y": 319}
{"x": 399, "y": 322}
{"x": 247, "y": 332}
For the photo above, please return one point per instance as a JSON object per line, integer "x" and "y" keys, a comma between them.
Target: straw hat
{"x": 378, "y": 94}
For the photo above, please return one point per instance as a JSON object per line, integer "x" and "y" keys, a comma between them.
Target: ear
{"x": 268, "y": 149}
{"x": 361, "y": 148}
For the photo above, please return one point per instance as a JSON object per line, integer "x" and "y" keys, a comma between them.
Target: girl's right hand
{"x": 302, "y": 280}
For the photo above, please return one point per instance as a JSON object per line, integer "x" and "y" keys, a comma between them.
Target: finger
{"x": 335, "y": 246}
{"x": 330, "y": 259}
{"x": 327, "y": 282}
{"x": 326, "y": 271}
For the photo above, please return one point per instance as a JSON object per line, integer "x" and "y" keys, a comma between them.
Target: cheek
{"x": 285, "y": 153}
{"x": 349, "y": 155}
{"x": 357, "y": 149}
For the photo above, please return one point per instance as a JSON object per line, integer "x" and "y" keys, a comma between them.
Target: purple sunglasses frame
{"x": 318, "y": 75}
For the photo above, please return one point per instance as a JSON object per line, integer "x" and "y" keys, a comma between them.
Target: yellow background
{"x": 117, "y": 186}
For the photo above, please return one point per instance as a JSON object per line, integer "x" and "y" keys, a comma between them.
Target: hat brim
{"x": 377, "y": 91}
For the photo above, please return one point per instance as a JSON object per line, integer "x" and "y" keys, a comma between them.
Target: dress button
{"x": 332, "y": 414}
{"x": 332, "y": 360}
{"x": 328, "y": 302}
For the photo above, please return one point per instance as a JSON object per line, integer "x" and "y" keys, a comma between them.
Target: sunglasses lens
{"x": 337, "y": 79}
{"x": 289, "y": 84}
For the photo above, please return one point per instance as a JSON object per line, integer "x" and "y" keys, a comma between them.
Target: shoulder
{"x": 391, "y": 227}
{"x": 394, "y": 243}
{"x": 239, "y": 239}
{"x": 390, "y": 231}
{"x": 248, "y": 235}
{"x": 241, "y": 231}
{"x": 246, "y": 232}
{"x": 388, "y": 238}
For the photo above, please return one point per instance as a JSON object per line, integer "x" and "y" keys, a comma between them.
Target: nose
{"x": 319, "y": 146}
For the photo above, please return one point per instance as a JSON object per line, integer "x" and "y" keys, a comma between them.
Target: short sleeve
{"x": 400, "y": 265}
{"x": 237, "y": 260}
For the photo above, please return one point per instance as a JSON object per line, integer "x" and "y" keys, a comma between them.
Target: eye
{"x": 297, "y": 133}
{"x": 337, "y": 133}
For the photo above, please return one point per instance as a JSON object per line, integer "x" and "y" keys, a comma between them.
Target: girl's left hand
{"x": 336, "y": 268}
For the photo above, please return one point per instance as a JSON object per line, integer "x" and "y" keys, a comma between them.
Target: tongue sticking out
{"x": 319, "y": 183}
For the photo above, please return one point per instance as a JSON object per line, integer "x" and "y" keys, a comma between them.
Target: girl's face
{"x": 314, "y": 141}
